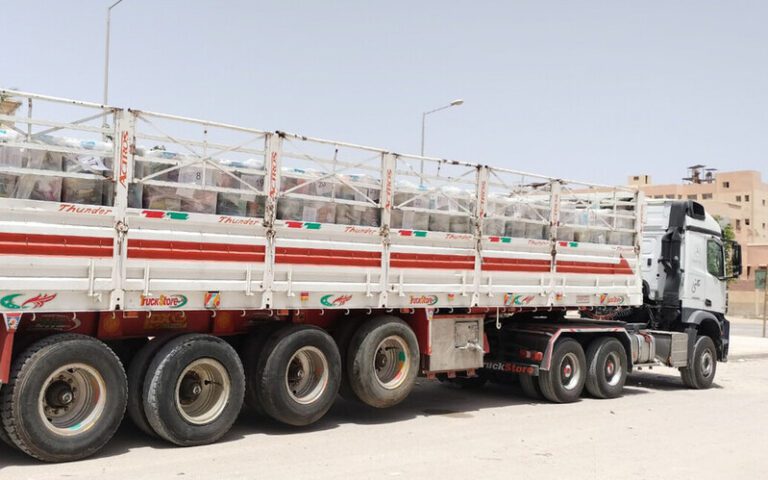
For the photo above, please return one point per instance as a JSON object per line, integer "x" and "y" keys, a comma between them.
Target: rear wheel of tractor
{"x": 137, "y": 372}
{"x": 383, "y": 361}
{"x": 65, "y": 399}
{"x": 703, "y": 365}
{"x": 251, "y": 352}
{"x": 298, "y": 375}
{"x": 530, "y": 386}
{"x": 194, "y": 389}
{"x": 607, "y": 368}
{"x": 564, "y": 381}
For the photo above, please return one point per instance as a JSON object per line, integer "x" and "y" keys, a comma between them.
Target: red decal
{"x": 123, "y": 158}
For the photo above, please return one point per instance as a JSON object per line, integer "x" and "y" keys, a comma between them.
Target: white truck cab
{"x": 684, "y": 268}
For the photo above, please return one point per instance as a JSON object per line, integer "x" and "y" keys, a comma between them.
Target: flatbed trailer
{"x": 177, "y": 268}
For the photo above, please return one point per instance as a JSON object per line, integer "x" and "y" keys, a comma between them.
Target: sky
{"x": 586, "y": 90}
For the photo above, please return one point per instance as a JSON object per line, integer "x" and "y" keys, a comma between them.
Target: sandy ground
{"x": 657, "y": 430}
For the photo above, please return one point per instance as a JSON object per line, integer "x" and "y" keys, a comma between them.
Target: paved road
{"x": 657, "y": 430}
{"x": 751, "y": 328}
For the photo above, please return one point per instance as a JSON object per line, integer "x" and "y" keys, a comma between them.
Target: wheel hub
{"x": 72, "y": 399}
{"x": 203, "y": 391}
{"x": 59, "y": 394}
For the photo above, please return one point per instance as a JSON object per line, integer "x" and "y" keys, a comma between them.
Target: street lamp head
{"x": 457, "y": 102}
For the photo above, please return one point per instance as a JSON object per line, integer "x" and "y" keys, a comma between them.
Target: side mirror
{"x": 735, "y": 260}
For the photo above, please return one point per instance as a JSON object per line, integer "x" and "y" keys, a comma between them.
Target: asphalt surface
{"x": 657, "y": 429}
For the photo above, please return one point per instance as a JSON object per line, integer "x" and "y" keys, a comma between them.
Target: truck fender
{"x": 701, "y": 322}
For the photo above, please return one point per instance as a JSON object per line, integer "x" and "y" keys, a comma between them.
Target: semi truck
{"x": 179, "y": 271}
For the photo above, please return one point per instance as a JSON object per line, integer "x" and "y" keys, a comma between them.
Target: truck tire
{"x": 65, "y": 399}
{"x": 383, "y": 361}
{"x": 137, "y": 372}
{"x": 703, "y": 365}
{"x": 4, "y": 438}
{"x": 564, "y": 381}
{"x": 298, "y": 374}
{"x": 194, "y": 389}
{"x": 607, "y": 368}
{"x": 342, "y": 336}
{"x": 250, "y": 357}
{"x": 530, "y": 386}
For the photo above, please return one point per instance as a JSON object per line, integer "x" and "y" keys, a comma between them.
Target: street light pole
{"x": 106, "y": 54}
{"x": 454, "y": 103}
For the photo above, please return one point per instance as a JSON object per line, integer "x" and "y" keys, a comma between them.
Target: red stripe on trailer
{"x": 214, "y": 252}
{"x": 516, "y": 265}
{"x": 55, "y": 245}
{"x": 324, "y": 256}
{"x": 595, "y": 268}
{"x": 420, "y": 260}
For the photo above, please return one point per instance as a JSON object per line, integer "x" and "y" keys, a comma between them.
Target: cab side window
{"x": 715, "y": 261}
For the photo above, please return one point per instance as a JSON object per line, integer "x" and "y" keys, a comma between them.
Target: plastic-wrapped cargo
{"x": 624, "y": 221}
{"x": 293, "y": 179}
{"x": 161, "y": 198}
{"x": 84, "y": 190}
{"x": 237, "y": 204}
{"x": 39, "y": 187}
{"x": 514, "y": 227}
{"x": 9, "y": 157}
{"x": 154, "y": 163}
{"x": 494, "y": 223}
{"x": 530, "y": 220}
{"x": 308, "y": 210}
{"x": 565, "y": 229}
{"x": 416, "y": 197}
{"x": 359, "y": 215}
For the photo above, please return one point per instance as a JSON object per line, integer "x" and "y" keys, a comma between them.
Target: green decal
{"x": 506, "y": 239}
{"x": 311, "y": 226}
{"x": 177, "y": 215}
{"x": 418, "y": 233}
{"x": 7, "y": 301}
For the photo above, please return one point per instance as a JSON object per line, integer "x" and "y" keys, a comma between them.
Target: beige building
{"x": 738, "y": 198}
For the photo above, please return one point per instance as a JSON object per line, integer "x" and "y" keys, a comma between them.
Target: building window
{"x": 726, "y": 184}
{"x": 635, "y": 178}
{"x": 679, "y": 197}
{"x": 738, "y": 198}
{"x": 746, "y": 221}
{"x": 693, "y": 197}
{"x": 746, "y": 198}
{"x": 706, "y": 196}
{"x": 738, "y": 224}
{"x": 763, "y": 225}
{"x": 672, "y": 197}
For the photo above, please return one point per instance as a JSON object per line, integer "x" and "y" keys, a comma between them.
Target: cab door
{"x": 704, "y": 260}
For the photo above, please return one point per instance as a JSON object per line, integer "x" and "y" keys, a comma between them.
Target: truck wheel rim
{"x": 570, "y": 371}
{"x": 72, "y": 399}
{"x": 306, "y": 377}
{"x": 391, "y": 362}
{"x": 202, "y": 391}
{"x": 706, "y": 363}
{"x": 613, "y": 371}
